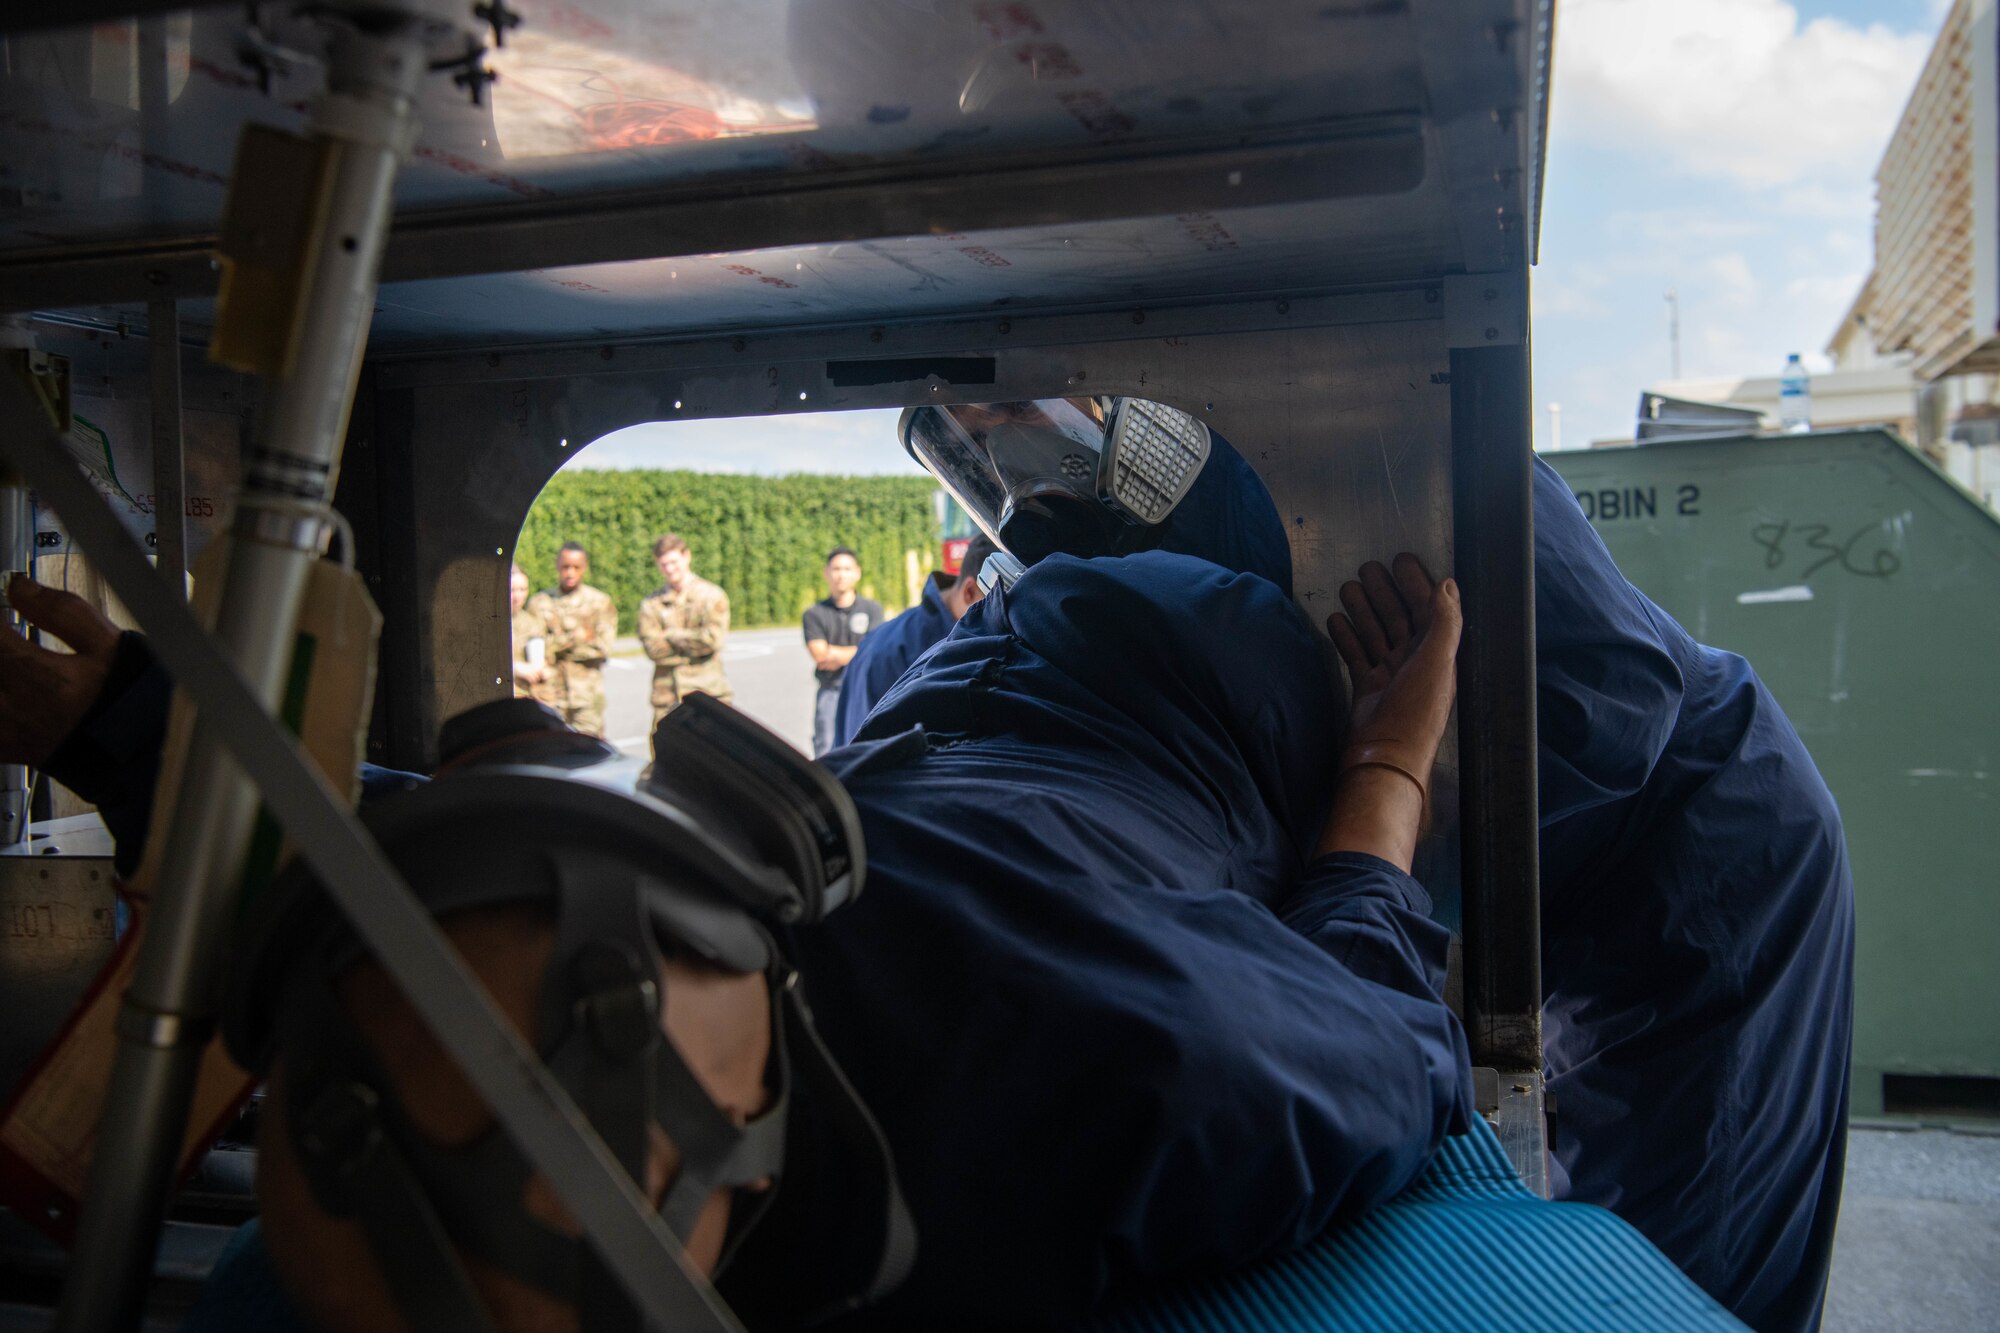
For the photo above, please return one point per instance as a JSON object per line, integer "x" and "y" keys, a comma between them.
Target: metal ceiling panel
{"x": 630, "y": 94}
{"x": 654, "y": 166}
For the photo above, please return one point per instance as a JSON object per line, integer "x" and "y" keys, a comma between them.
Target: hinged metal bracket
{"x": 1486, "y": 310}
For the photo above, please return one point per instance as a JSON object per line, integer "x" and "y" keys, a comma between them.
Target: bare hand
{"x": 45, "y": 694}
{"x": 1399, "y": 639}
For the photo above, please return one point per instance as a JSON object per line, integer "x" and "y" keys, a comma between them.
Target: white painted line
{"x": 1798, "y": 592}
{"x": 743, "y": 651}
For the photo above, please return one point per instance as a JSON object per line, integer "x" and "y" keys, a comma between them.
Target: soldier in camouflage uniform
{"x": 683, "y": 626}
{"x": 583, "y": 625}
{"x": 532, "y": 677}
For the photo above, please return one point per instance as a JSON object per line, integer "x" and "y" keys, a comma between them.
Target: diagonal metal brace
{"x": 529, "y": 1103}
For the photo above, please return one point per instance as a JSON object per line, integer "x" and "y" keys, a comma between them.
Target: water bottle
{"x": 1794, "y": 397}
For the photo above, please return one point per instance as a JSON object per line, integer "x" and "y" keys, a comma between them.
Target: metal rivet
{"x": 1491, "y": 334}
{"x": 606, "y": 353}
{"x": 1138, "y": 317}
{"x": 1004, "y": 326}
{"x": 736, "y": 344}
{"x": 874, "y": 335}
{"x": 1284, "y": 307}
{"x": 1430, "y": 296}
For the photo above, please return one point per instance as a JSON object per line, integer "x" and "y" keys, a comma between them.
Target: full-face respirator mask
{"x": 1082, "y": 476}
{"x": 732, "y": 839}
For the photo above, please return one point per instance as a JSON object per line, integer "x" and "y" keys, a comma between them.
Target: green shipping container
{"x": 1864, "y": 586}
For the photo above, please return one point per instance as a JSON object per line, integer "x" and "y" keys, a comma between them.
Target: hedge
{"x": 764, "y": 539}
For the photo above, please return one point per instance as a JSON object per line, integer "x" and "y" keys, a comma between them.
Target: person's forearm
{"x": 1378, "y": 812}
{"x": 826, "y": 656}
{"x": 654, "y": 639}
{"x": 691, "y": 643}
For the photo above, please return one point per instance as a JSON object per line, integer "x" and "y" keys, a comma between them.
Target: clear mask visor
{"x": 996, "y": 458}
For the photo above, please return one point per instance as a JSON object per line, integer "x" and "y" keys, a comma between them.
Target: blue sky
{"x": 1724, "y": 148}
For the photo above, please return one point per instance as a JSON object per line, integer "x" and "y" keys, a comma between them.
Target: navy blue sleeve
{"x": 1347, "y": 1070}
{"x": 858, "y": 691}
{"x": 1375, "y": 919}
{"x": 1092, "y": 1087}
{"x": 112, "y": 757}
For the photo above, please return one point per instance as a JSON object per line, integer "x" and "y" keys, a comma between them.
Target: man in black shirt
{"x": 834, "y": 628}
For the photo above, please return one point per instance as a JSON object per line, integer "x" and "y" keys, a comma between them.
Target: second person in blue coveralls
{"x": 886, "y": 653}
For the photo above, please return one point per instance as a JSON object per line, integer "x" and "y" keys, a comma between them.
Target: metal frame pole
{"x": 1493, "y": 533}
{"x": 17, "y": 556}
{"x": 366, "y": 122}
{"x": 163, "y": 329}
{"x": 1494, "y": 538}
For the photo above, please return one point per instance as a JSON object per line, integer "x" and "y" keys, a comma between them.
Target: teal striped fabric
{"x": 1467, "y": 1247}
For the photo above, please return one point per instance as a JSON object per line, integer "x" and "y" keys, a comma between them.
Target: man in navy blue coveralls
{"x": 1119, "y": 1023}
{"x": 1070, "y": 933}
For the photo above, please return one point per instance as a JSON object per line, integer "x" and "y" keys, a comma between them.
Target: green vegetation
{"x": 762, "y": 538}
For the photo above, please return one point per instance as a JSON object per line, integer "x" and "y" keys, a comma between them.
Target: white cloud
{"x": 1733, "y": 88}
{"x": 1731, "y": 279}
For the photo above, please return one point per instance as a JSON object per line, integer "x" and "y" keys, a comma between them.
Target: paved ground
{"x": 1919, "y": 1242}
{"x": 1918, "y": 1249}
